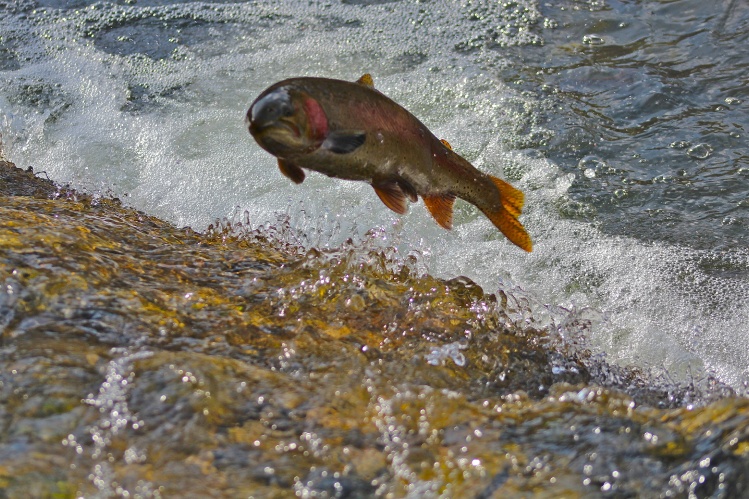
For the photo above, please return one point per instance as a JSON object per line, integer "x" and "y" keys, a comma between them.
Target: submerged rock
{"x": 139, "y": 359}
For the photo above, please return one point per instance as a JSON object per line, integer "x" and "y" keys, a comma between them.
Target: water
{"x": 624, "y": 123}
{"x": 138, "y": 359}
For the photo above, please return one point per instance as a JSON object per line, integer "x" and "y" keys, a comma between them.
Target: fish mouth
{"x": 259, "y": 129}
{"x": 291, "y": 126}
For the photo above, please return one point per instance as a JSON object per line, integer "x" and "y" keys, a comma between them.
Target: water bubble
{"x": 700, "y": 151}
{"x": 732, "y": 100}
{"x": 550, "y": 23}
{"x": 591, "y": 162}
{"x": 680, "y": 144}
{"x": 593, "y": 40}
{"x": 438, "y": 356}
{"x": 730, "y": 221}
{"x": 661, "y": 179}
{"x": 593, "y": 166}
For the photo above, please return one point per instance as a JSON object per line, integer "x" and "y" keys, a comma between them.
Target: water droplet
{"x": 593, "y": 40}
{"x": 620, "y": 193}
{"x": 732, "y": 100}
{"x": 589, "y": 172}
{"x": 680, "y": 144}
{"x": 700, "y": 151}
{"x": 591, "y": 162}
{"x": 438, "y": 356}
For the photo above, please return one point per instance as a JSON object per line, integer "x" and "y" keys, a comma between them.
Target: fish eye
{"x": 271, "y": 107}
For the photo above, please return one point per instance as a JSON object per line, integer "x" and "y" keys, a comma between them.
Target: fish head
{"x": 286, "y": 121}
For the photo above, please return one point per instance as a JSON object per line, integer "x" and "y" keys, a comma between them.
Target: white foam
{"x": 166, "y": 133}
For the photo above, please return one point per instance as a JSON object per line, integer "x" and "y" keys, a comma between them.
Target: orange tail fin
{"x": 506, "y": 217}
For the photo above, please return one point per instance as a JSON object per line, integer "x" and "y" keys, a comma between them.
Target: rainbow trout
{"x": 349, "y": 130}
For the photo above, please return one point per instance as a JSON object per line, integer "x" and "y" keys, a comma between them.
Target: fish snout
{"x": 268, "y": 110}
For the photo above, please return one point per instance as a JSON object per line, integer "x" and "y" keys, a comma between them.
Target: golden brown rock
{"x": 139, "y": 357}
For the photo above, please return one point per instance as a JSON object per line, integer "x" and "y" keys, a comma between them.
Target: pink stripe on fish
{"x": 317, "y": 119}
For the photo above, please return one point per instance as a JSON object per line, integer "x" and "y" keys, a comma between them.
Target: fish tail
{"x": 505, "y": 217}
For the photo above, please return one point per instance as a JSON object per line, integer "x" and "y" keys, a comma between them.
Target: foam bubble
{"x": 147, "y": 102}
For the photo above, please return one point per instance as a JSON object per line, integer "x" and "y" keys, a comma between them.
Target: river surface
{"x": 305, "y": 342}
{"x": 624, "y": 122}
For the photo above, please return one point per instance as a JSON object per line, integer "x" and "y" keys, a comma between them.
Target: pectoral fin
{"x": 390, "y": 193}
{"x": 366, "y": 80}
{"x": 291, "y": 171}
{"x": 441, "y": 208}
{"x": 446, "y": 144}
{"x": 344, "y": 141}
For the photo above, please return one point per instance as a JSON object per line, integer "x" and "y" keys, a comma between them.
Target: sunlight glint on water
{"x": 147, "y": 103}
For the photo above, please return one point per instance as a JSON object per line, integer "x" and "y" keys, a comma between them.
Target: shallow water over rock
{"x": 140, "y": 359}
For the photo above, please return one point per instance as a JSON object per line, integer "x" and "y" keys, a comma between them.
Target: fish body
{"x": 351, "y": 131}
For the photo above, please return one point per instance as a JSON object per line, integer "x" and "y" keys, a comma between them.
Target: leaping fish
{"x": 350, "y": 130}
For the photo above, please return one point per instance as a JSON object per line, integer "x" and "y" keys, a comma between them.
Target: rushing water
{"x": 624, "y": 122}
{"x": 138, "y": 359}
{"x": 306, "y": 354}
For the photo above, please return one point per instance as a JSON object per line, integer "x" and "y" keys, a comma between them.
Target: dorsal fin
{"x": 446, "y": 144}
{"x": 366, "y": 80}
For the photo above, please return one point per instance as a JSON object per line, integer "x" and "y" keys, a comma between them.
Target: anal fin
{"x": 441, "y": 208}
{"x": 390, "y": 192}
{"x": 292, "y": 171}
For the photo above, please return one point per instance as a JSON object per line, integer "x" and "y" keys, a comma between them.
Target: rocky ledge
{"x": 141, "y": 359}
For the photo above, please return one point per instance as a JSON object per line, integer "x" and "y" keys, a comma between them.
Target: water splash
{"x": 116, "y": 419}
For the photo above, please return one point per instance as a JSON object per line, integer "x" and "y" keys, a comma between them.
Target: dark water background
{"x": 652, "y": 97}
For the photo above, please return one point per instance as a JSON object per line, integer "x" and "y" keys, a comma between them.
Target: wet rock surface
{"x": 141, "y": 359}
